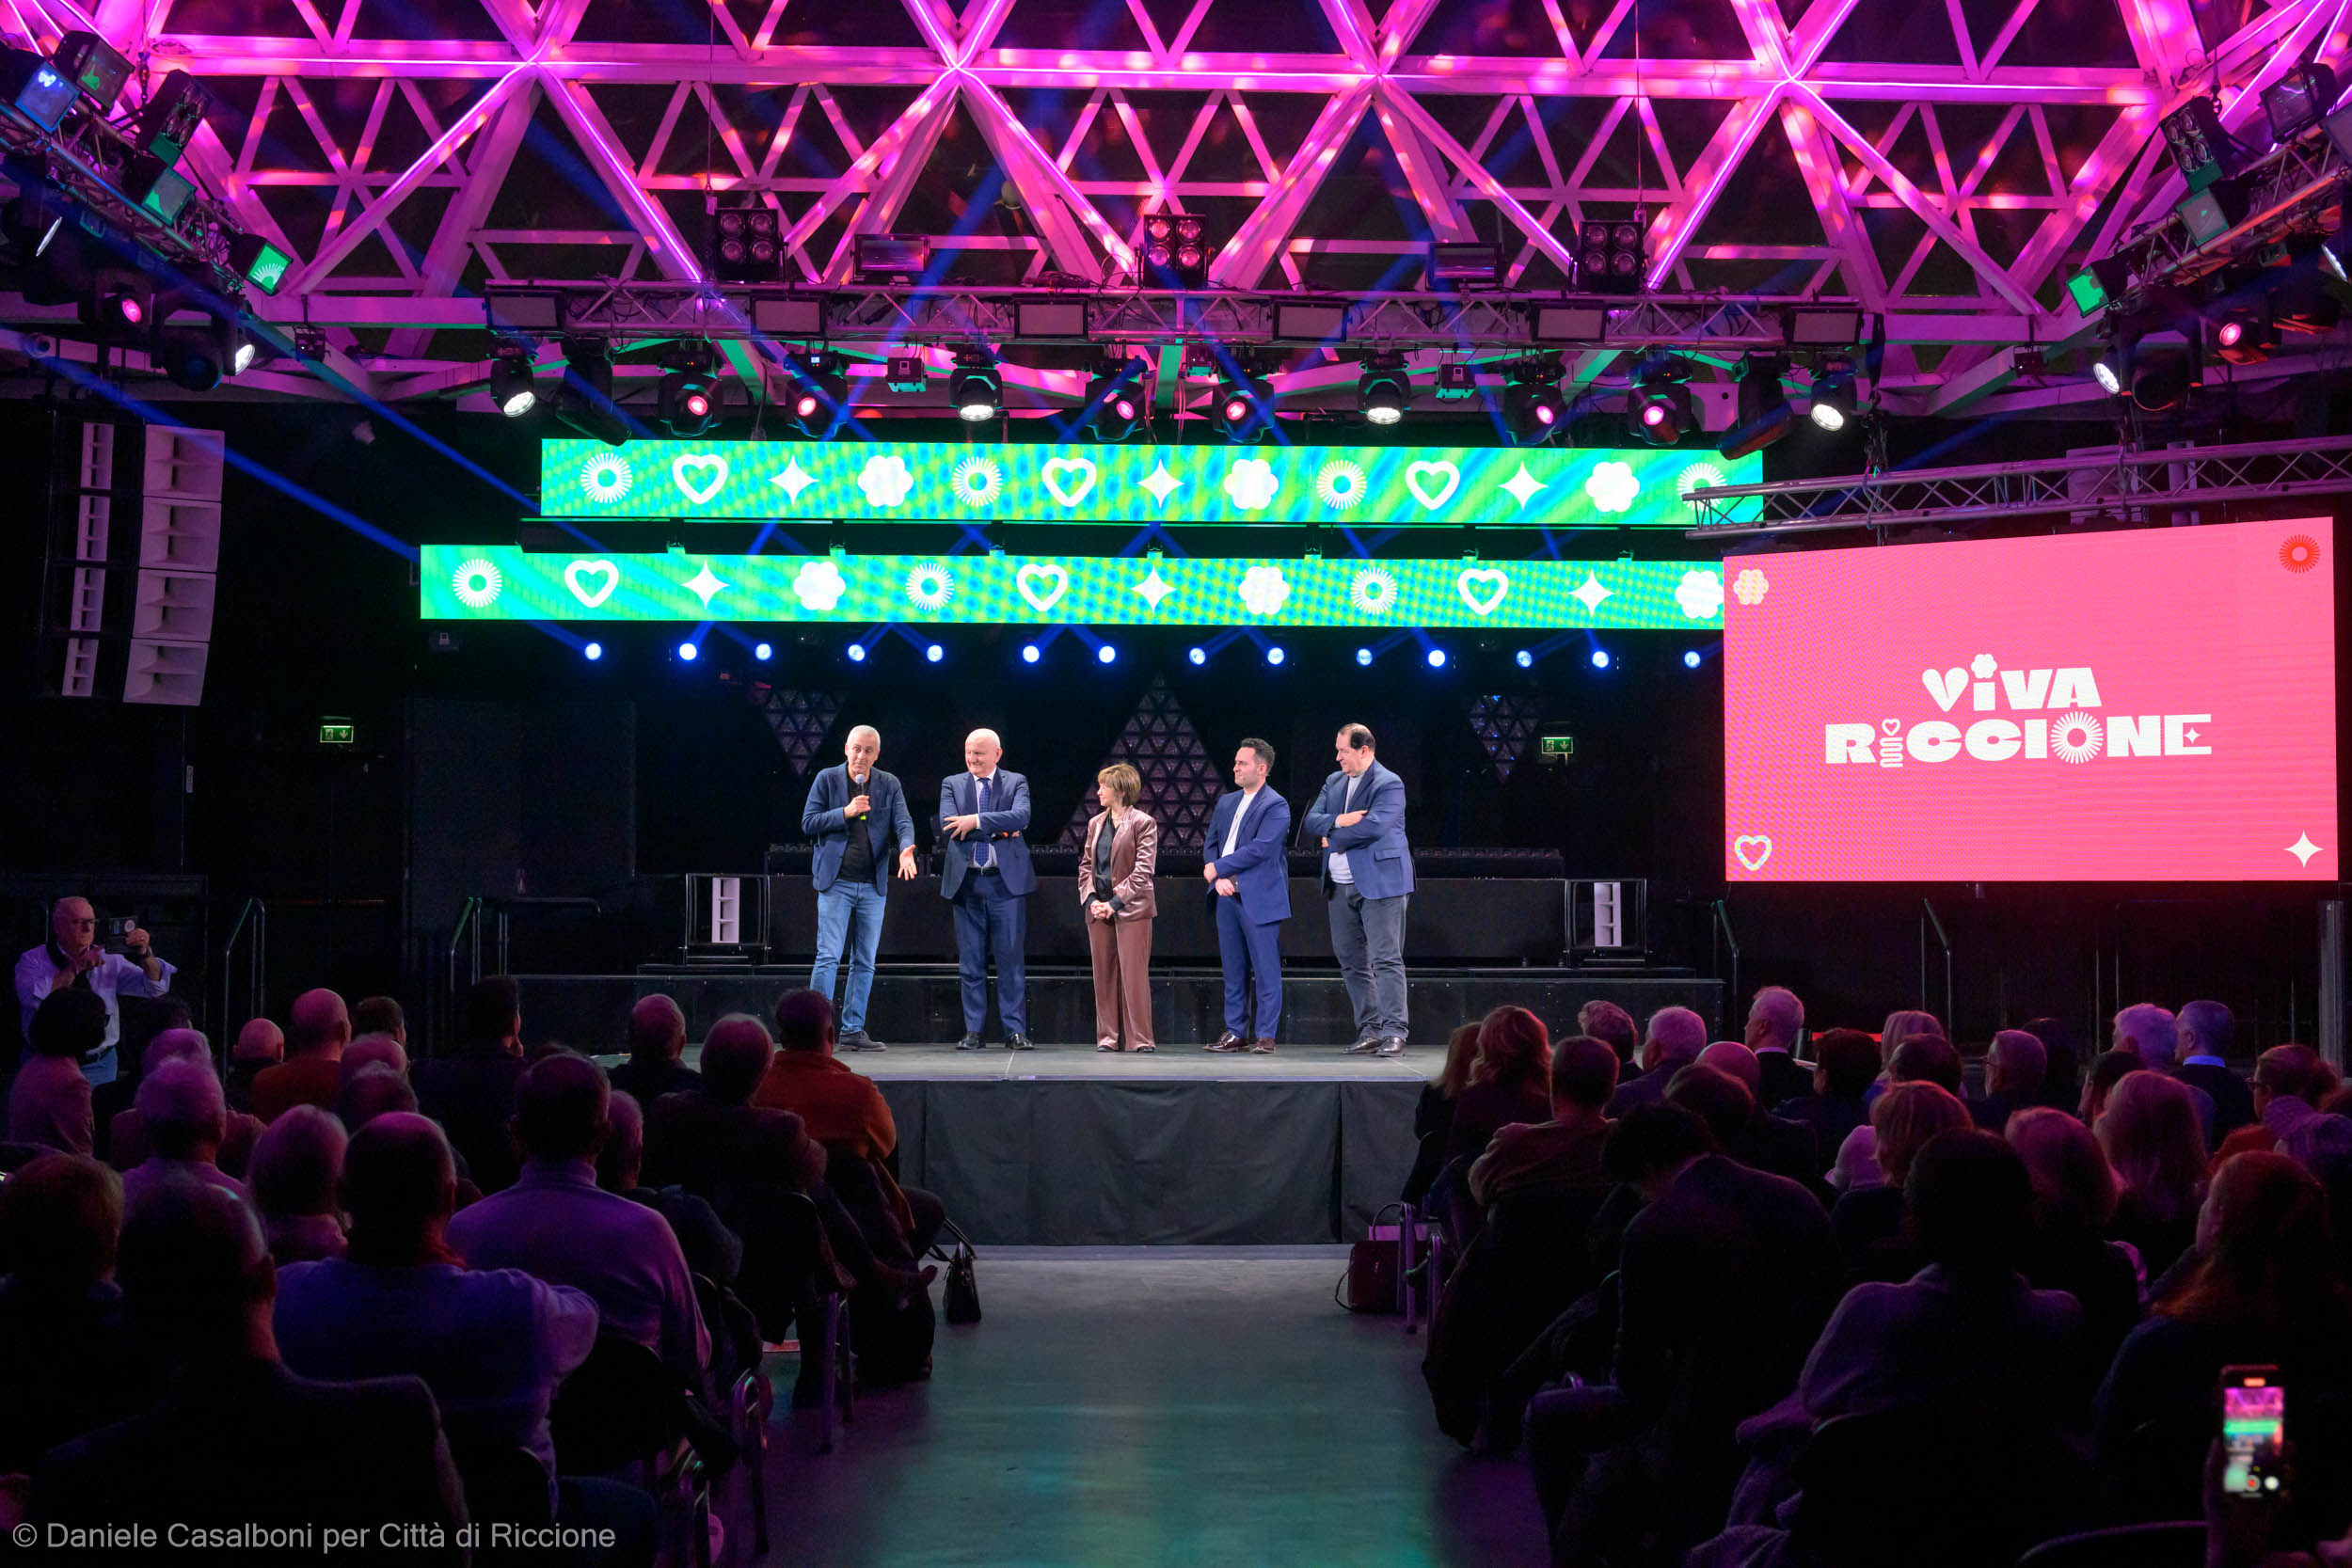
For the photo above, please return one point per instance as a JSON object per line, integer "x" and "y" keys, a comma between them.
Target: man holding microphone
{"x": 72, "y": 958}
{"x": 858, "y": 817}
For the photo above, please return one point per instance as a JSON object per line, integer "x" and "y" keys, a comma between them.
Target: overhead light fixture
{"x": 1610, "y": 255}
{"x": 1569, "y": 323}
{"x": 1115, "y": 399}
{"x": 514, "y": 385}
{"x": 2201, "y": 148}
{"x": 1175, "y": 251}
{"x": 2246, "y": 335}
{"x": 691, "y": 395}
{"x": 794, "y": 315}
{"x": 118, "y": 305}
{"x": 170, "y": 119}
{"x": 2088, "y": 292}
{"x": 2164, "y": 367}
{"x": 816, "y": 392}
{"x": 35, "y": 91}
{"x": 1245, "y": 408}
{"x": 1835, "y": 399}
{"x": 1384, "y": 389}
{"x": 245, "y": 352}
{"x": 1317, "y": 321}
{"x": 2212, "y": 211}
{"x": 1533, "y": 411}
{"x": 2104, "y": 372}
{"x": 1765, "y": 416}
{"x": 1659, "y": 410}
{"x": 2310, "y": 299}
{"x": 975, "y": 387}
{"x": 1041, "y": 320}
{"x": 196, "y": 357}
{"x": 97, "y": 69}
{"x": 2295, "y": 103}
{"x": 1457, "y": 381}
{"x": 1463, "y": 264}
{"x": 156, "y": 186}
{"x": 585, "y": 404}
{"x": 905, "y": 372}
{"x": 746, "y": 239}
{"x": 899, "y": 256}
{"x": 1836, "y": 327}
{"x": 258, "y": 262}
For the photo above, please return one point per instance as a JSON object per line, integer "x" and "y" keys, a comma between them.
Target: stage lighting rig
{"x": 1244, "y": 405}
{"x": 816, "y": 392}
{"x": 2246, "y": 334}
{"x": 2297, "y": 101}
{"x": 585, "y": 404}
{"x": 197, "y": 357}
{"x": 1836, "y": 400}
{"x": 35, "y": 91}
{"x": 1659, "y": 410}
{"x": 169, "y": 120}
{"x": 744, "y": 239}
{"x": 1115, "y": 399}
{"x": 1533, "y": 410}
{"x": 1610, "y": 256}
{"x": 1765, "y": 416}
{"x": 690, "y": 392}
{"x": 975, "y": 387}
{"x": 513, "y": 388}
{"x": 118, "y": 306}
{"x": 1175, "y": 251}
{"x": 1457, "y": 381}
{"x": 2163, "y": 366}
{"x": 1384, "y": 391}
{"x": 97, "y": 70}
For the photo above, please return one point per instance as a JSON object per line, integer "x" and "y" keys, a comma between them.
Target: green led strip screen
{"x": 905, "y": 481}
{"x": 502, "y": 582}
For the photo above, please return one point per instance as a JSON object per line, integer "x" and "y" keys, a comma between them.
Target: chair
{"x": 2172, "y": 1545}
{"x": 1918, "y": 1477}
{"x": 505, "y": 1485}
{"x": 622, "y": 1411}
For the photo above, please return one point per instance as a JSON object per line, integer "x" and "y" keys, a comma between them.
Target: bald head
{"x": 1735, "y": 1060}
{"x": 261, "y": 1040}
{"x": 560, "y": 1108}
{"x": 735, "y": 1058}
{"x": 318, "y": 1023}
{"x": 982, "y": 750}
{"x": 657, "y": 1029}
{"x": 182, "y": 1108}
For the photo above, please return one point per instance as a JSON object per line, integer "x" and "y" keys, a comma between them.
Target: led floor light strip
{"x": 502, "y": 582}
{"x": 914, "y": 481}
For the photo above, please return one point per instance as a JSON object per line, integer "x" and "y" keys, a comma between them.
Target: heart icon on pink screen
{"x": 1754, "y": 849}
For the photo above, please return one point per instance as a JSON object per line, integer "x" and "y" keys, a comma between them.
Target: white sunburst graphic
{"x": 977, "y": 481}
{"x": 476, "y": 583}
{"x": 2076, "y": 737}
{"x": 1371, "y": 591}
{"x": 1699, "y": 476}
{"x": 930, "y": 587}
{"x": 1339, "y": 484}
{"x": 605, "y": 478}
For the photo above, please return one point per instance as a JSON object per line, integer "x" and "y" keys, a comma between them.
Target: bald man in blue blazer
{"x": 986, "y": 875}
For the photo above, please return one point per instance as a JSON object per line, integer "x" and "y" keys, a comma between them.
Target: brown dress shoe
{"x": 1262, "y": 1046}
{"x": 1227, "y": 1043}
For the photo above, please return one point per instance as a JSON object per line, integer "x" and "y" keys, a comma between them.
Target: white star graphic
{"x": 2303, "y": 848}
{"x": 1156, "y": 587}
{"x": 1161, "y": 483}
{"x": 1590, "y": 595}
{"x": 1523, "y": 487}
{"x": 706, "y": 584}
{"x": 794, "y": 479}
{"x": 2191, "y": 737}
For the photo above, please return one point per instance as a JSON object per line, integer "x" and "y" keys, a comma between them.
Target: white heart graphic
{"x": 1755, "y": 845}
{"x": 1482, "y": 588}
{"x": 1030, "y": 580}
{"x": 699, "y": 494}
{"x": 1414, "y": 473}
{"x": 578, "y": 569}
{"x": 1058, "y": 467}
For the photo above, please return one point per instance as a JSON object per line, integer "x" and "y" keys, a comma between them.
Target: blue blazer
{"x": 1378, "y": 856}
{"x": 889, "y": 827}
{"x": 1260, "y": 864}
{"x": 1003, "y": 827}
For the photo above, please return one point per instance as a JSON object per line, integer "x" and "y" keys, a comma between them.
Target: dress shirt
{"x": 114, "y": 976}
{"x": 557, "y": 1223}
{"x": 983, "y": 852}
{"x": 2202, "y": 1059}
{"x": 838, "y": 1105}
{"x": 1340, "y": 873}
{"x": 1232, "y": 834}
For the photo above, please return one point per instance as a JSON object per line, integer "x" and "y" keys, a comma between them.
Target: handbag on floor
{"x": 961, "y": 1298}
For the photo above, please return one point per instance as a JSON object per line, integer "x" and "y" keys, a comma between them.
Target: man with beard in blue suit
{"x": 1368, "y": 881}
{"x": 1248, "y": 877}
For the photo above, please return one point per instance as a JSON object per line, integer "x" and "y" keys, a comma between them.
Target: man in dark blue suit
{"x": 984, "y": 810}
{"x": 1248, "y": 877}
{"x": 857, "y": 813}
{"x": 1367, "y": 880}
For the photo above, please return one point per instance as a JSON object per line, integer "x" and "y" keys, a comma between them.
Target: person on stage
{"x": 984, "y": 810}
{"x": 857, "y": 813}
{"x": 1367, "y": 882}
{"x": 72, "y": 959}
{"x": 1247, "y": 871}
{"x": 1123, "y": 850}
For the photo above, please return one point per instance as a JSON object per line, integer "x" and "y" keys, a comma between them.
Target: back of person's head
{"x": 1719, "y": 1100}
{"x": 379, "y": 1015}
{"x": 196, "y": 1272}
{"x": 1905, "y": 1023}
{"x": 1970, "y": 1201}
{"x": 2205, "y": 1029}
{"x": 2112, "y": 1069}
{"x": 2267, "y": 1252}
{"x": 184, "y": 1110}
{"x": 1461, "y": 1056}
{"x": 1775, "y": 1018}
{"x": 489, "y": 1014}
{"x": 375, "y": 1050}
{"x": 59, "y": 1216}
{"x": 175, "y": 1045}
{"x": 803, "y": 1020}
{"x": 1513, "y": 1049}
{"x": 68, "y": 1023}
{"x": 318, "y": 1020}
{"x": 399, "y": 1182}
{"x": 297, "y": 1165}
{"x": 1583, "y": 1073}
{"x": 2072, "y": 1179}
{"x": 561, "y": 1105}
{"x": 1904, "y": 1118}
{"x": 1848, "y": 1062}
{"x": 2062, "y": 1076}
{"x": 2151, "y": 1032}
{"x": 260, "y": 1040}
{"x": 657, "y": 1029}
{"x": 2015, "y": 1063}
{"x": 1732, "y": 1057}
{"x": 736, "y": 1055}
{"x": 370, "y": 1092}
{"x": 1675, "y": 1034}
{"x": 2155, "y": 1140}
{"x": 624, "y": 1152}
{"x": 1925, "y": 1059}
{"x": 2292, "y": 1071}
{"x": 1606, "y": 1020}
{"x": 1652, "y": 1139}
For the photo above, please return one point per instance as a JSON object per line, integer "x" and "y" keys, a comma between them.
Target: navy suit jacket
{"x": 889, "y": 827}
{"x": 1260, "y": 864}
{"x": 1002, "y": 827}
{"x": 1378, "y": 856}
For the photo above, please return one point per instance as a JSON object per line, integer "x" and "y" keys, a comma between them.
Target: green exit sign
{"x": 338, "y": 732}
{"x": 1557, "y": 745}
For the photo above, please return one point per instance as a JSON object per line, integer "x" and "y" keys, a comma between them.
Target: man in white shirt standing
{"x": 73, "y": 957}
{"x": 1367, "y": 881}
{"x": 1248, "y": 877}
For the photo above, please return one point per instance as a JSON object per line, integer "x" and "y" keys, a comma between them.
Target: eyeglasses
{"x": 84, "y": 922}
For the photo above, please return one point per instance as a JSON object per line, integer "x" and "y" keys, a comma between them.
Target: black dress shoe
{"x": 1227, "y": 1043}
{"x": 1365, "y": 1046}
{"x": 858, "y": 1040}
{"x": 1018, "y": 1042}
{"x": 971, "y": 1042}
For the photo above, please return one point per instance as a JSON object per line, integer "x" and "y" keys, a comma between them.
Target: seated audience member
{"x": 375, "y": 1050}
{"x": 50, "y": 1101}
{"x": 2289, "y": 1083}
{"x": 841, "y": 1109}
{"x": 657, "y": 1039}
{"x": 711, "y": 1249}
{"x": 2074, "y": 1204}
{"x": 1566, "y": 1148}
{"x": 1871, "y": 1224}
{"x": 238, "y": 1439}
{"x": 2206, "y": 1032}
{"x": 2062, "y": 1071}
{"x": 380, "y": 1015}
{"x": 2148, "y": 1032}
{"x": 186, "y": 1117}
{"x": 1715, "y": 1097}
{"x": 1614, "y": 1026}
{"x": 1433, "y": 1111}
{"x": 112, "y": 1100}
{"x": 2014, "y": 1068}
{"x": 1905, "y": 1025}
{"x": 260, "y": 1045}
{"x": 372, "y": 1092}
{"x": 472, "y": 1093}
{"x": 1775, "y": 1029}
{"x": 318, "y": 1026}
{"x": 1507, "y": 1082}
{"x": 2112, "y": 1069}
{"x": 701, "y": 1141}
{"x": 1764, "y": 1141}
{"x": 1676, "y": 1037}
{"x": 127, "y": 1143}
{"x": 295, "y": 1180}
{"x": 2265, "y": 1289}
{"x": 1846, "y": 1063}
{"x": 1920, "y": 1059}
{"x": 492, "y": 1344}
{"x": 556, "y": 1223}
{"x": 66, "y": 1360}
{"x": 2152, "y": 1138}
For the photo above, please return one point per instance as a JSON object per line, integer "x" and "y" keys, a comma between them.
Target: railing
{"x": 1929, "y": 922}
{"x": 465, "y": 936}
{"x": 504, "y": 908}
{"x": 1720, "y": 937}
{"x": 256, "y": 974}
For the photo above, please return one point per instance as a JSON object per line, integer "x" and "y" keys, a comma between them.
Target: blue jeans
{"x": 1368, "y": 935}
{"x": 990, "y": 918}
{"x": 842, "y": 910}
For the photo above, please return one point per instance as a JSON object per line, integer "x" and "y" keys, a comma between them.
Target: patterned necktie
{"x": 983, "y": 852}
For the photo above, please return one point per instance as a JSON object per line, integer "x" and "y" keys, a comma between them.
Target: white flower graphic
{"x": 1699, "y": 476}
{"x": 1263, "y": 587}
{"x": 1982, "y": 666}
{"x": 1373, "y": 592}
{"x": 476, "y": 582}
{"x": 885, "y": 480}
{"x": 1251, "y": 484}
{"x": 930, "y": 587}
{"x": 977, "y": 479}
{"x": 1612, "y": 486}
{"x": 818, "y": 586}
{"x": 605, "y": 478}
{"x": 1749, "y": 587}
{"x": 1340, "y": 484}
{"x": 1700, "y": 595}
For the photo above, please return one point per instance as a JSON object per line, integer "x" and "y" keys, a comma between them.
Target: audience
{"x": 472, "y": 1093}
{"x": 318, "y": 1026}
{"x": 1676, "y": 1037}
{"x": 2152, "y": 1138}
{"x": 2112, "y": 1069}
{"x": 380, "y": 1015}
{"x": 2062, "y": 1078}
{"x": 1921, "y": 1059}
{"x": 1433, "y": 1112}
{"x": 2290, "y": 1081}
{"x": 1764, "y": 1141}
{"x": 295, "y": 1180}
{"x": 50, "y": 1101}
{"x": 1507, "y": 1082}
{"x": 711, "y": 1249}
{"x": 1775, "y": 1029}
{"x": 66, "y": 1360}
{"x": 1566, "y": 1148}
{"x": 1612, "y": 1025}
{"x": 260, "y": 1045}
{"x": 186, "y": 1117}
{"x": 2014, "y": 1067}
{"x": 375, "y": 1050}
{"x": 1847, "y": 1064}
{"x": 2074, "y": 1205}
{"x": 1872, "y": 1223}
{"x": 127, "y": 1142}
{"x": 840, "y": 1108}
{"x": 372, "y": 1092}
{"x": 1905, "y": 1025}
{"x": 2206, "y": 1030}
{"x": 657, "y": 1038}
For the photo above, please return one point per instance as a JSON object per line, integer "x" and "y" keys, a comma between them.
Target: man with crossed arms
{"x": 1368, "y": 881}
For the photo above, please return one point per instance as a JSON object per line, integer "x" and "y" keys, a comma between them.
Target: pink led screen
{"x": 2150, "y": 706}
